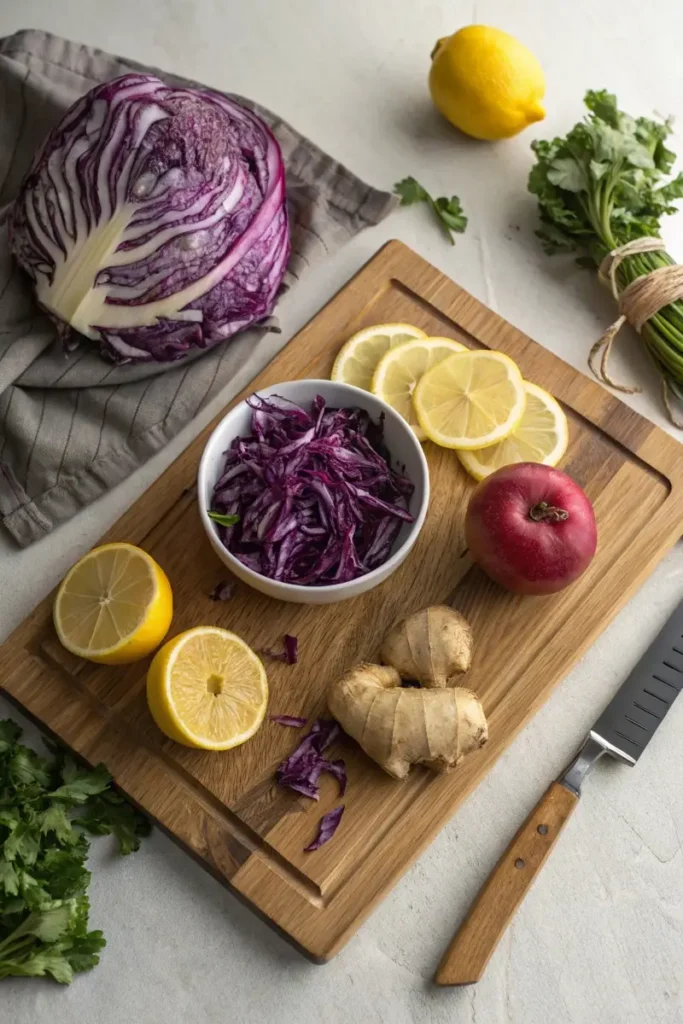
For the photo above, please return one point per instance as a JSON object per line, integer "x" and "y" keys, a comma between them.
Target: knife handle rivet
{"x": 519, "y": 863}
{"x": 542, "y": 830}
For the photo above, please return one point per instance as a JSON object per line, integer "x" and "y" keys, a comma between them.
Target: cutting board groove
{"x": 224, "y": 808}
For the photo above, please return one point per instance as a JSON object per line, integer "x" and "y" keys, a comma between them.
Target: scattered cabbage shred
{"x": 153, "y": 219}
{"x": 327, "y": 826}
{"x": 301, "y": 771}
{"x": 317, "y": 500}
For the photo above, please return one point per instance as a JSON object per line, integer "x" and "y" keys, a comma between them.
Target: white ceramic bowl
{"x": 405, "y": 450}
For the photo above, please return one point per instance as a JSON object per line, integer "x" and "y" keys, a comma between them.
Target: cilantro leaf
{"x": 602, "y": 184}
{"x": 410, "y": 191}
{"x": 26, "y": 768}
{"x": 110, "y": 814}
{"x": 55, "y": 820}
{"x": 451, "y": 213}
{"x": 23, "y": 843}
{"x": 448, "y": 211}
{"x": 568, "y": 174}
{"x": 604, "y": 105}
{"x": 48, "y": 925}
{"x": 63, "y": 872}
{"x": 83, "y": 949}
{"x": 9, "y": 879}
{"x": 9, "y": 734}
{"x": 223, "y": 518}
{"x": 81, "y": 783}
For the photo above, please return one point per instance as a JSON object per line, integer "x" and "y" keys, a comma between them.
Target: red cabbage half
{"x": 317, "y": 500}
{"x": 153, "y": 219}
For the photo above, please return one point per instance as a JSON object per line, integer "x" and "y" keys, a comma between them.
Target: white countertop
{"x": 600, "y": 935}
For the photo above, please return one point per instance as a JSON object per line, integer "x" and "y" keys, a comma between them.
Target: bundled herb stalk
{"x": 46, "y": 806}
{"x": 602, "y": 191}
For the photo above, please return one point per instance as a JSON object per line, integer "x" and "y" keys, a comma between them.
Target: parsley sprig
{"x": 46, "y": 806}
{"x": 447, "y": 211}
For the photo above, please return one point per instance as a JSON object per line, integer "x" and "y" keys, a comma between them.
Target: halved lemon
{"x": 114, "y": 606}
{"x": 470, "y": 400}
{"x": 399, "y": 370}
{"x": 540, "y": 436}
{"x": 358, "y": 358}
{"x": 206, "y": 688}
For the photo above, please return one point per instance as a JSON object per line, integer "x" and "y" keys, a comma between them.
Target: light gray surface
{"x": 600, "y": 936}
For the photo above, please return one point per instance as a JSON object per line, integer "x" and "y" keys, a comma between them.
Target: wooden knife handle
{"x": 466, "y": 958}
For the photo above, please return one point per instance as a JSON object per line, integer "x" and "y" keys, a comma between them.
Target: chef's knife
{"x": 622, "y": 731}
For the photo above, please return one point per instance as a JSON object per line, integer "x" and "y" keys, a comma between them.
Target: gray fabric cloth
{"x": 72, "y": 427}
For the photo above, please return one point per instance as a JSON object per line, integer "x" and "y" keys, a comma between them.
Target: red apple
{"x": 531, "y": 528}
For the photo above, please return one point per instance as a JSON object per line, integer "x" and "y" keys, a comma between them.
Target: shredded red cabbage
{"x": 317, "y": 499}
{"x": 327, "y": 826}
{"x": 290, "y": 654}
{"x": 223, "y": 590}
{"x": 301, "y": 771}
{"x": 291, "y": 720}
{"x": 338, "y": 769}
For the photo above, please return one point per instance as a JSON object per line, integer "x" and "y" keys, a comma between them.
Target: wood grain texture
{"x": 465, "y": 960}
{"x": 224, "y": 807}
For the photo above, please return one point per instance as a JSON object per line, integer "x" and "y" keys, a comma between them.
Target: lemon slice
{"x": 399, "y": 370}
{"x": 470, "y": 400}
{"x": 359, "y": 357}
{"x": 541, "y": 436}
{"x": 114, "y": 606}
{"x": 206, "y": 688}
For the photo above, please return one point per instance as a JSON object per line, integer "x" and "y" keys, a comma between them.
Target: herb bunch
{"x": 46, "y": 807}
{"x": 606, "y": 184}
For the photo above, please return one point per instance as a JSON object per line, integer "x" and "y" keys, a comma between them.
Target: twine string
{"x": 639, "y": 301}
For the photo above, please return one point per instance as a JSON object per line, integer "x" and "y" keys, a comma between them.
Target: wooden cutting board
{"x": 224, "y": 808}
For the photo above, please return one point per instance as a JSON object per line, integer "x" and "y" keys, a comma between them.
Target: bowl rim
{"x": 377, "y": 575}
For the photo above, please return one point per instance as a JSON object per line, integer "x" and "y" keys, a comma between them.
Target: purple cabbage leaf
{"x": 290, "y": 654}
{"x": 327, "y": 826}
{"x": 301, "y": 771}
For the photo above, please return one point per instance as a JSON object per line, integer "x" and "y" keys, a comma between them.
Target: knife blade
{"x": 622, "y": 732}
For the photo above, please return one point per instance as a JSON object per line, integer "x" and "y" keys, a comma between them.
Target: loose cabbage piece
{"x": 327, "y": 826}
{"x": 290, "y": 720}
{"x": 153, "y": 219}
{"x": 317, "y": 499}
{"x": 290, "y": 654}
{"x": 223, "y": 591}
{"x": 304, "y": 766}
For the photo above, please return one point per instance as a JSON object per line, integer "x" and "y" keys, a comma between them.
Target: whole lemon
{"x": 487, "y": 83}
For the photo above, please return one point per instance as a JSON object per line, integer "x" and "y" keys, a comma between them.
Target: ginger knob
{"x": 400, "y": 727}
{"x": 431, "y": 646}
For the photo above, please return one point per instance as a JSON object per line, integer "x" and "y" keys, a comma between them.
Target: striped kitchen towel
{"x": 73, "y": 426}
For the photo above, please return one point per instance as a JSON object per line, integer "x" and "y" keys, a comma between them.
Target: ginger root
{"x": 431, "y": 646}
{"x": 399, "y": 727}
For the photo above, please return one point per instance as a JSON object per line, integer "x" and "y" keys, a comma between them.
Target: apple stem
{"x": 549, "y": 513}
